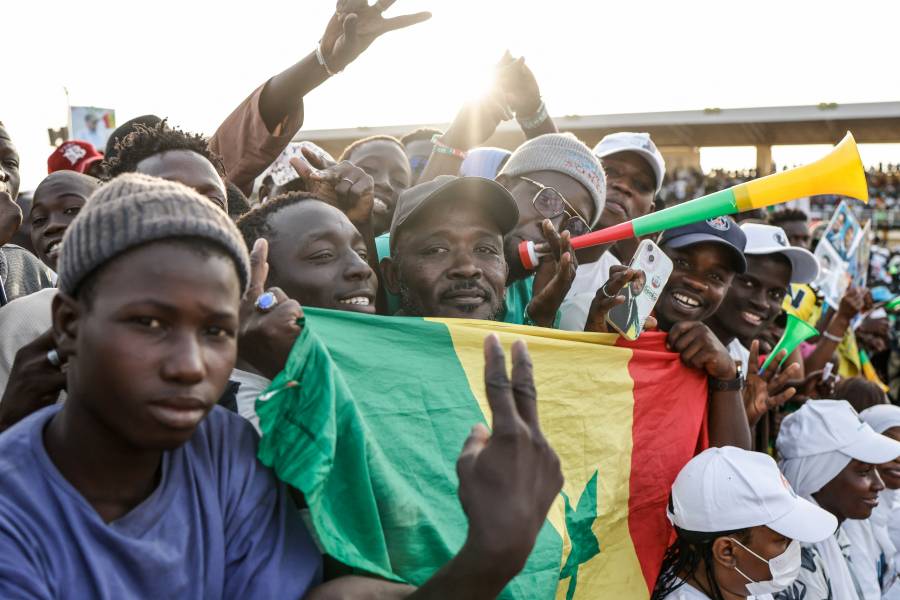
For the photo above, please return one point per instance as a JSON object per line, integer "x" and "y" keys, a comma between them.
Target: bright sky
{"x": 193, "y": 61}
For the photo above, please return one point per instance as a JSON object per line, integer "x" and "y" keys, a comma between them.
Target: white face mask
{"x": 784, "y": 568}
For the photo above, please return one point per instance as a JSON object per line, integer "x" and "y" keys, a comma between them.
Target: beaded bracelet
{"x": 535, "y": 120}
{"x": 441, "y": 148}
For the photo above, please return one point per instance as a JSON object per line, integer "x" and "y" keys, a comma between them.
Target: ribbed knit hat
{"x": 135, "y": 209}
{"x": 563, "y": 153}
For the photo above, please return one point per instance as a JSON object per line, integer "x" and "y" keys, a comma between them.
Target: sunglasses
{"x": 551, "y": 204}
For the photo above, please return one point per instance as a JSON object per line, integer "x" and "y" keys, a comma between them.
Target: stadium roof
{"x": 826, "y": 123}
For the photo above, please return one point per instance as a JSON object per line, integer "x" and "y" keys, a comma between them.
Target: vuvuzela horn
{"x": 840, "y": 172}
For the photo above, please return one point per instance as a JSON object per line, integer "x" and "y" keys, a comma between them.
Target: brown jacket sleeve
{"x": 246, "y": 145}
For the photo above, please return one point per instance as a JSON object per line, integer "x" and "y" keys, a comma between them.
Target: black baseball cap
{"x": 444, "y": 188}
{"x": 721, "y": 230}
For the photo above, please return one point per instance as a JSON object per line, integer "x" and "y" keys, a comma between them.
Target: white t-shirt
{"x": 738, "y": 352}
{"x": 21, "y": 321}
{"x": 868, "y": 559}
{"x": 252, "y": 385}
{"x": 814, "y": 582}
{"x": 589, "y": 278}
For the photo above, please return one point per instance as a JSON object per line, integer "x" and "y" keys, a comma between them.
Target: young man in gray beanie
{"x": 139, "y": 486}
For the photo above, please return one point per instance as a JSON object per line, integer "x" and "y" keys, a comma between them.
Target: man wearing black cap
{"x": 706, "y": 256}
{"x": 447, "y": 248}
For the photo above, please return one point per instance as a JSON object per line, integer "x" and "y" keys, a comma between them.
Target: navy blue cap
{"x": 721, "y": 230}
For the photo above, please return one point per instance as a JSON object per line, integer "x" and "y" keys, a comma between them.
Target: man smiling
{"x": 755, "y": 297}
{"x": 706, "y": 256}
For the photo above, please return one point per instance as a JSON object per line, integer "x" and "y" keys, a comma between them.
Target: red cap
{"x": 73, "y": 155}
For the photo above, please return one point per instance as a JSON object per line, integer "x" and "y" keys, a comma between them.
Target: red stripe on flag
{"x": 669, "y": 429}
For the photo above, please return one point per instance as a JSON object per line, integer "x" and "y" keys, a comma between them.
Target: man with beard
{"x": 447, "y": 248}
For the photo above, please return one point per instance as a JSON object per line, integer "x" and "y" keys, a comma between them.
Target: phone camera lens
{"x": 651, "y": 258}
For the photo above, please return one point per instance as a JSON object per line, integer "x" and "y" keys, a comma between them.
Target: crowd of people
{"x": 153, "y": 289}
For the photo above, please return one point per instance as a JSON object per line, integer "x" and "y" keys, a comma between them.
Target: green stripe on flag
{"x": 371, "y": 436}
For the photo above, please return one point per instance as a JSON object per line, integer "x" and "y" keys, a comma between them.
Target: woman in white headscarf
{"x": 885, "y": 520}
{"x": 829, "y": 456}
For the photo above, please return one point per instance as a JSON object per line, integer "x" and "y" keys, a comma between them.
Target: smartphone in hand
{"x": 642, "y": 292}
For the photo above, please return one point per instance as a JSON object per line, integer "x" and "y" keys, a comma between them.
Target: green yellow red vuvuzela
{"x": 839, "y": 173}
{"x": 370, "y": 413}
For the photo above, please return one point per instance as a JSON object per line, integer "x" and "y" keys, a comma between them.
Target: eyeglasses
{"x": 551, "y": 204}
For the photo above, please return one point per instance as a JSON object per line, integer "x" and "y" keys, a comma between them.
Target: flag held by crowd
{"x": 377, "y": 467}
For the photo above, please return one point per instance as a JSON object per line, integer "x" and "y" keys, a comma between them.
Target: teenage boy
{"x": 755, "y": 297}
{"x": 139, "y": 457}
{"x": 315, "y": 257}
{"x": 705, "y": 256}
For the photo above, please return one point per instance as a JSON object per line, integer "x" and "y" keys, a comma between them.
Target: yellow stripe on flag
{"x": 586, "y": 411}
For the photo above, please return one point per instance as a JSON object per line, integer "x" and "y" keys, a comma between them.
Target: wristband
{"x": 837, "y": 339}
{"x": 726, "y": 385}
{"x": 441, "y": 148}
{"x": 536, "y": 120}
{"x": 320, "y": 56}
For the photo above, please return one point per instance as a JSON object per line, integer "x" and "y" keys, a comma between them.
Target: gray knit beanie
{"x": 563, "y": 153}
{"x": 135, "y": 209}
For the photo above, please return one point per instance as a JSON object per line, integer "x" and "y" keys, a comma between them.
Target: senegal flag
{"x": 370, "y": 413}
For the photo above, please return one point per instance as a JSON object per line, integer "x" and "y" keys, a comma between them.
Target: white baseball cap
{"x": 881, "y": 417}
{"x": 822, "y": 426}
{"x": 726, "y": 489}
{"x": 627, "y": 141}
{"x": 769, "y": 239}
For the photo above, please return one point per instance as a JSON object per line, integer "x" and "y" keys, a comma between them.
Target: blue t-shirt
{"x": 218, "y": 525}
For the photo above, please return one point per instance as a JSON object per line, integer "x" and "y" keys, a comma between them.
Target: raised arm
{"x": 253, "y": 135}
{"x": 851, "y": 304}
{"x": 515, "y": 93}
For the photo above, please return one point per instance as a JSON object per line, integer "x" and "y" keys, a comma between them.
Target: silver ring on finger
{"x": 53, "y": 358}
{"x": 605, "y": 293}
{"x": 348, "y": 180}
{"x": 266, "y": 302}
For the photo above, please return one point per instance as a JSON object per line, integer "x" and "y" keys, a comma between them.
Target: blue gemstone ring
{"x": 266, "y": 302}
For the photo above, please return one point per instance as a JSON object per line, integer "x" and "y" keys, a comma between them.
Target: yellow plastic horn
{"x": 840, "y": 172}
